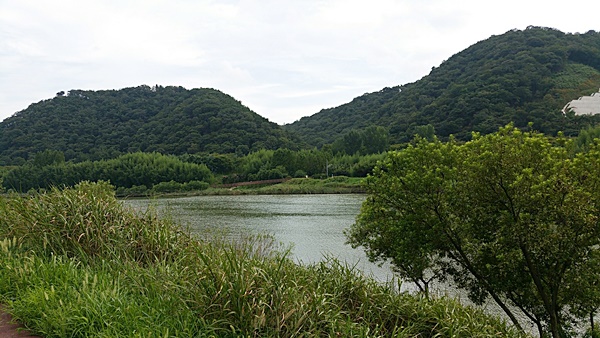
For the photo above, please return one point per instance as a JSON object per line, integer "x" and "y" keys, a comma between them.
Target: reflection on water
{"x": 313, "y": 224}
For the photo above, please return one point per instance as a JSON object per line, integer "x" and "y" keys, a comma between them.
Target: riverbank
{"x": 294, "y": 186}
{"x": 332, "y": 185}
{"x": 76, "y": 262}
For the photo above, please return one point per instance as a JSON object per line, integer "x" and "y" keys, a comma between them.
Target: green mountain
{"x": 92, "y": 125}
{"x": 521, "y": 76}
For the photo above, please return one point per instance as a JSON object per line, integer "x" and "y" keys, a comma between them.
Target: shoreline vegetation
{"x": 151, "y": 174}
{"x": 290, "y": 186}
{"x": 76, "y": 262}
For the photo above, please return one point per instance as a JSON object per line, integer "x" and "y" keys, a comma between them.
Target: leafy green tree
{"x": 365, "y": 164}
{"x": 48, "y": 157}
{"x": 375, "y": 139}
{"x": 217, "y": 163}
{"x": 512, "y": 215}
{"x": 586, "y": 138}
{"x": 311, "y": 161}
{"x": 427, "y": 132}
{"x": 351, "y": 143}
{"x": 371, "y": 140}
{"x": 285, "y": 158}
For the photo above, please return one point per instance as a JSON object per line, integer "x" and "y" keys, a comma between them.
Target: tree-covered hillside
{"x": 93, "y": 125}
{"x": 521, "y": 76}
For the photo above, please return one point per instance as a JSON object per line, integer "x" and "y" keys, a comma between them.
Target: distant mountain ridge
{"x": 521, "y": 76}
{"x": 92, "y": 125}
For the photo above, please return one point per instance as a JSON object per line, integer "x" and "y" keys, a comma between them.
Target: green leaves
{"x": 510, "y": 215}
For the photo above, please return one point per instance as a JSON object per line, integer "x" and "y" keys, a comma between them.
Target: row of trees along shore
{"x": 354, "y": 154}
{"x": 140, "y": 172}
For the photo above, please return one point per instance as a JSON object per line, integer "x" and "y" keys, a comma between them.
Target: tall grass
{"x": 88, "y": 223}
{"x": 75, "y": 263}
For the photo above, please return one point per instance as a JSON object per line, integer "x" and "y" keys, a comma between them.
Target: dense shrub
{"x": 166, "y": 187}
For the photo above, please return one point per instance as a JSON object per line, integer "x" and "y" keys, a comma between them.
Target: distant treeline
{"x": 143, "y": 172}
{"x": 48, "y": 169}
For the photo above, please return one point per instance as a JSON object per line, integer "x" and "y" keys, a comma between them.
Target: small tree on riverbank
{"x": 513, "y": 216}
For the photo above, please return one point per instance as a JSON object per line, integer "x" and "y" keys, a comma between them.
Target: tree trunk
{"x": 464, "y": 261}
{"x": 549, "y": 304}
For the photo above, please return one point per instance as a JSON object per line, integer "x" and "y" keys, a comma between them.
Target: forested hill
{"x": 104, "y": 124}
{"x": 521, "y": 76}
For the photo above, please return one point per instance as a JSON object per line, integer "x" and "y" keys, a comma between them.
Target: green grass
{"x": 332, "y": 185}
{"x": 75, "y": 263}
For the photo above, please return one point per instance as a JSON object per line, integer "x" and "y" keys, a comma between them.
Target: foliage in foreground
{"x": 76, "y": 263}
{"x": 513, "y": 216}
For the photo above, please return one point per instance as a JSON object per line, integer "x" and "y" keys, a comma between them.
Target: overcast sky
{"x": 284, "y": 59}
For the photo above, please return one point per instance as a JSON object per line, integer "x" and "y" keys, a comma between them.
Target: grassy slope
{"x": 76, "y": 263}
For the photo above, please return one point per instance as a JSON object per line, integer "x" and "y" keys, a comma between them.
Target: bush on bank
{"x": 75, "y": 262}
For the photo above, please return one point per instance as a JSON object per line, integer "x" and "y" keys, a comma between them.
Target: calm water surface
{"x": 313, "y": 224}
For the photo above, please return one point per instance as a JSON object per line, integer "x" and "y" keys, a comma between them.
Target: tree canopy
{"x": 371, "y": 140}
{"x": 511, "y": 215}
